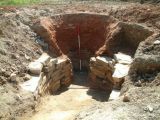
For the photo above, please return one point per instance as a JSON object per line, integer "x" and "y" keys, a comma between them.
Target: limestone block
{"x": 51, "y": 66}
{"x": 120, "y": 72}
{"x": 42, "y": 86}
{"x": 105, "y": 61}
{"x": 52, "y": 62}
{"x": 66, "y": 79}
{"x": 67, "y": 72}
{"x": 114, "y": 95}
{"x": 157, "y": 42}
{"x": 61, "y": 63}
{"x": 33, "y": 83}
{"x": 92, "y": 60}
{"x": 57, "y": 75}
{"x": 100, "y": 83}
{"x": 101, "y": 70}
{"x": 44, "y": 59}
{"x": 123, "y": 58}
{"x": 66, "y": 82}
{"x": 35, "y": 67}
{"x": 97, "y": 72}
{"x": 54, "y": 87}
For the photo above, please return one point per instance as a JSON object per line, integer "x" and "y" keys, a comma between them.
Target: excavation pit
{"x": 80, "y": 36}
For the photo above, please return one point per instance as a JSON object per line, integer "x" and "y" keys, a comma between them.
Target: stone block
{"x": 33, "y": 84}
{"x": 105, "y": 62}
{"x": 62, "y": 62}
{"x": 119, "y": 74}
{"x": 101, "y": 70}
{"x": 120, "y": 70}
{"x": 35, "y": 67}
{"x": 157, "y": 42}
{"x": 97, "y": 72}
{"x": 55, "y": 86}
{"x": 123, "y": 58}
{"x": 57, "y": 74}
{"x": 44, "y": 59}
{"x": 51, "y": 66}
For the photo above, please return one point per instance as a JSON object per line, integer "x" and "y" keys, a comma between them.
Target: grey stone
{"x": 13, "y": 77}
{"x": 44, "y": 59}
{"x": 35, "y": 67}
{"x": 123, "y": 58}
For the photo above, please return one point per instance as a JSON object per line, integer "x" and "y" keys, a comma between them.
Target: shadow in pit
{"x": 80, "y": 78}
{"x": 61, "y": 90}
{"x": 98, "y": 95}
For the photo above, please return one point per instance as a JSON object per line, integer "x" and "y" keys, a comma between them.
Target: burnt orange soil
{"x": 99, "y": 34}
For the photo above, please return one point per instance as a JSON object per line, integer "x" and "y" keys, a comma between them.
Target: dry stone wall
{"x": 101, "y": 70}
{"x": 53, "y": 73}
{"x": 107, "y": 73}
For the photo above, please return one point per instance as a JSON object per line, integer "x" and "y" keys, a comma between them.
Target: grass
{"x": 29, "y": 2}
{"x": 19, "y": 2}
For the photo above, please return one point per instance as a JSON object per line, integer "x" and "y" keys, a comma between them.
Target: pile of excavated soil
{"x": 18, "y": 47}
{"x": 16, "y": 50}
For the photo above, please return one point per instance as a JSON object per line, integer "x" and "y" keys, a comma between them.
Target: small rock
{"x": 44, "y": 59}
{"x": 27, "y": 77}
{"x": 157, "y": 42}
{"x": 6, "y": 74}
{"x": 13, "y": 77}
{"x": 150, "y": 108}
{"x": 13, "y": 56}
{"x": 2, "y": 52}
{"x": 21, "y": 53}
{"x": 22, "y": 75}
{"x": 138, "y": 84}
{"x": 35, "y": 67}
{"x": 126, "y": 99}
{"x": 27, "y": 57}
{"x": 2, "y": 80}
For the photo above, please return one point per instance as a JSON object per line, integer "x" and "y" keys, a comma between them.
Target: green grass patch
{"x": 18, "y": 2}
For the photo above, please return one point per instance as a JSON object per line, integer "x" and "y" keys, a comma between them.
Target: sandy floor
{"x": 65, "y": 105}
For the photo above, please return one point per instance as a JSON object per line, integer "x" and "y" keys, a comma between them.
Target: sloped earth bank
{"x": 18, "y": 48}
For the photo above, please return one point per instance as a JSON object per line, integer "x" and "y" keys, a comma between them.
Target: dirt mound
{"x": 16, "y": 50}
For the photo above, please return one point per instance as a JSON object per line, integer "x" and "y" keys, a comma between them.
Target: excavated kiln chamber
{"x": 98, "y": 35}
{"x": 83, "y": 35}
